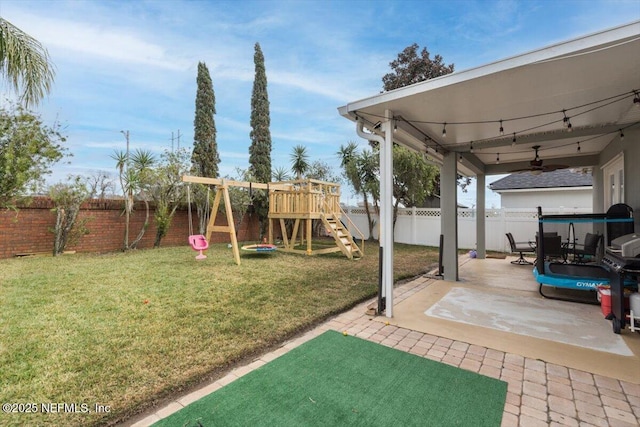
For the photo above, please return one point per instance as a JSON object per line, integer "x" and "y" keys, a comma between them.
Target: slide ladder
{"x": 341, "y": 235}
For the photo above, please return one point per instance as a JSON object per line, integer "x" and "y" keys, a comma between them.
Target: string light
{"x": 501, "y": 128}
{"x": 566, "y": 121}
{"x": 471, "y": 147}
{"x": 498, "y": 159}
{"x": 600, "y": 103}
{"x": 578, "y": 146}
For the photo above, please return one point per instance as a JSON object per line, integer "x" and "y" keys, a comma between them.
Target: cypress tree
{"x": 260, "y": 149}
{"x": 204, "y": 158}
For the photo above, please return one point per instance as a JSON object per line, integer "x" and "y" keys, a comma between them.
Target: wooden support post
{"x": 214, "y": 214}
{"x": 232, "y": 227}
{"x": 283, "y": 230}
{"x": 223, "y": 191}
{"x": 294, "y": 235}
{"x": 309, "y": 240}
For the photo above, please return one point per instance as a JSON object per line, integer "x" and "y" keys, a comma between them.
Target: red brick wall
{"x": 28, "y": 229}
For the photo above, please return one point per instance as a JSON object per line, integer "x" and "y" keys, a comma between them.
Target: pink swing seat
{"x": 199, "y": 243}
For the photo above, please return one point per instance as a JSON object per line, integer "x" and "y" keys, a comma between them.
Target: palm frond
{"x": 24, "y": 63}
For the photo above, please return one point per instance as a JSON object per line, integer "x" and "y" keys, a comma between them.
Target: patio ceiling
{"x": 594, "y": 79}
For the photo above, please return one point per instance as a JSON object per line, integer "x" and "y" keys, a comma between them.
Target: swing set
{"x": 200, "y": 242}
{"x": 301, "y": 201}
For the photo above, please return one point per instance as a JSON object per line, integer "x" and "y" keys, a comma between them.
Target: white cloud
{"x": 103, "y": 42}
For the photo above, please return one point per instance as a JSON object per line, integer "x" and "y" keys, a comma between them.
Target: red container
{"x": 604, "y": 295}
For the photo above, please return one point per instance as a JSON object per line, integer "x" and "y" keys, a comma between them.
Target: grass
{"x": 126, "y": 330}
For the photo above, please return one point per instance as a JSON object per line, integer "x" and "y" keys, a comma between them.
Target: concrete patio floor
{"x": 549, "y": 383}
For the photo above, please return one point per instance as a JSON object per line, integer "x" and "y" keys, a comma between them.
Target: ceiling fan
{"x": 537, "y": 167}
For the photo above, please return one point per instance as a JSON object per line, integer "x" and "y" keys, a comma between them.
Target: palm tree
{"x": 299, "y": 161}
{"x": 24, "y": 62}
{"x": 347, "y": 153}
{"x": 280, "y": 174}
{"x": 361, "y": 169}
{"x": 126, "y": 183}
{"x": 134, "y": 172}
{"x": 142, "y": 162}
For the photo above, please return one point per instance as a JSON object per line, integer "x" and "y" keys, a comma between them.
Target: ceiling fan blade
{"x": 531, "y": 169}
{"x": 551, "y": 168}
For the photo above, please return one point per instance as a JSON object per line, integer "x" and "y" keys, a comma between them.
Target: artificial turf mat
{"x": 336, "y": 380}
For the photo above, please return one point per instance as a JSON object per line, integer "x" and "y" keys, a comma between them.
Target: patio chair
{"x": 521, "y": 248}
{"x": 553, "y": 248}
{"x": 588, "y": 251}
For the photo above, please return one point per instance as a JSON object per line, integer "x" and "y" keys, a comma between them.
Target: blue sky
{"x": 131, "y": 65}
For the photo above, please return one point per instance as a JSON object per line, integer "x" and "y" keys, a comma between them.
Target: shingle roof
{"x": 558, "y": 178}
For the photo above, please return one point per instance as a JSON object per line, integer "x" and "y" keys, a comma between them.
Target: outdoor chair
{"x": 553, "y": 248}
{"x": 587, "y": 251}
{"x": 521, "y": 248}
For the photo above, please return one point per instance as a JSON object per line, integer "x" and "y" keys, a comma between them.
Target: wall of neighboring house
{"x": 630, "y": 146}
{"x": 547, "y": 198}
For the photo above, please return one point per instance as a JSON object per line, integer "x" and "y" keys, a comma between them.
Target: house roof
{"x": 591, "y": 80}
{"x": 556, "y": 179}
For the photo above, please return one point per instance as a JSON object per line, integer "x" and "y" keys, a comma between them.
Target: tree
{"x": 280, "y": 174}
{"x": 413, "y": 179}
{"x": 361, "y": 170}
{"x": 205, "y": 158}
{"x": 321, "y": 171}
{"x": 135, "y": 178}
{"x": 260, "y": 149}
{"x": 67, "y": 198}
{"x": 99, "y": 184}
{"x": 24, "y": 63}
{"x": 28, "y": 148}
{"x": 142, "y": 162}
{"x": 167, "y": 189}
{"x": 299, "y": 161}
{"x": 409, "y": 68}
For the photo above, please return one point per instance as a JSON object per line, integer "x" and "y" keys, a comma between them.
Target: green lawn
{"x": 125, "y": 330}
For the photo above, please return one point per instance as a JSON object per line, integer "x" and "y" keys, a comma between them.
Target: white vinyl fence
{"x": 420, "y": 226}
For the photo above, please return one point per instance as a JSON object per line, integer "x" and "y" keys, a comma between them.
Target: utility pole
{"x": 173, "y": 139}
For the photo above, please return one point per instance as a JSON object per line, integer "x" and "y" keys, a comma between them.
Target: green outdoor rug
{"x": 336, "y": 380}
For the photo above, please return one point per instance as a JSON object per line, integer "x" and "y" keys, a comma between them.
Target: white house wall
{"x": 551, "y": 199}
{"x": 630, "y": 146}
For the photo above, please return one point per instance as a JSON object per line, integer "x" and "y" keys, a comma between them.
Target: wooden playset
{"x": 301, "y": 201}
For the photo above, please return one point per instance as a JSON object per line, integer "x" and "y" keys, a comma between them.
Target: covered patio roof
{"x": 573, "y": 101}
{"x": 592, "y": 80}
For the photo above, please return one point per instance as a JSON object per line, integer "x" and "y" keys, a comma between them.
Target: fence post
{"x": 414, "y": 227}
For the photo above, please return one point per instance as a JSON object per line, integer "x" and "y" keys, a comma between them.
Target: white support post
{"x": 449, "y": 215}
{"x": 386, "y": 212}
{"x": 481, "y": 244}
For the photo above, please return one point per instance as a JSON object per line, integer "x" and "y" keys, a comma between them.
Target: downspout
{"x": 368, "y": 136}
